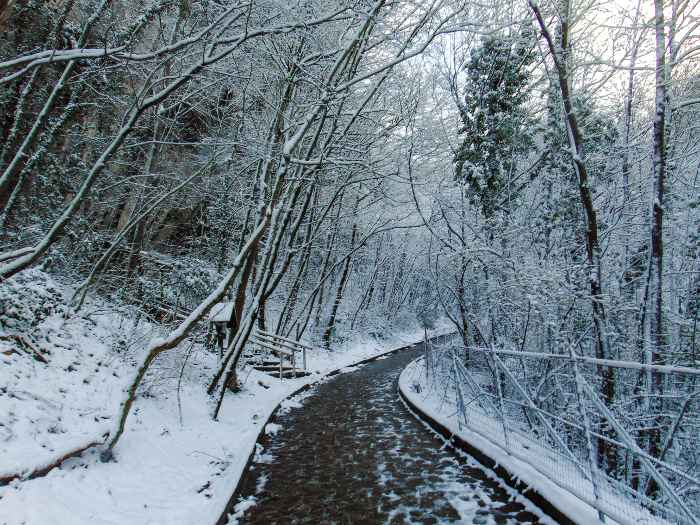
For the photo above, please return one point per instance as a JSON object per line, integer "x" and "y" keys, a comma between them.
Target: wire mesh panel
{"x": 555, "y": 413}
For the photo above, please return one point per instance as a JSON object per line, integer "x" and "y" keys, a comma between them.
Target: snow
{"x": 50, "y": 409}
{"x": 221, "y": 312}
{"x": 175, "y": 465}
{"x": 431, "y": 404}
{"x": 517, "y": 459}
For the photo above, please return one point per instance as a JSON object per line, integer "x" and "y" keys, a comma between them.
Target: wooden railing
{"x": 284, "y": 349}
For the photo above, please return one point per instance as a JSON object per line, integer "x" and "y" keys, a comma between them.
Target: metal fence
{"x": 548, "y": 411}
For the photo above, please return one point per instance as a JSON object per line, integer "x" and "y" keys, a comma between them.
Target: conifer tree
{"x": 494, "y": 116}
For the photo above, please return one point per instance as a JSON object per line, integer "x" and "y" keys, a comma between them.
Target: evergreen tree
{"x": 494, "y": 116}
{"x": 560, "y": 208}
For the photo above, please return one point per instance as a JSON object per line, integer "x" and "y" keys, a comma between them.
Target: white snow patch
{"x": 175, "y": 465}
{"x": 433, "y": 404}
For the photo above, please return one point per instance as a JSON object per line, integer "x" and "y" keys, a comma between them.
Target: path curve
{"x": 350, "y": 452}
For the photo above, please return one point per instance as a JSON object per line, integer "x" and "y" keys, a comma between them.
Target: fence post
{"x": 630, "y": 442}
{"x": 501, "y": 411}
{"x": 587, "y": 429}
{"x": 460, "y": 395}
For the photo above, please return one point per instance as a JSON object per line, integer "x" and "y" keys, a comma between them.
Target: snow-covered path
{"x": 354, "y": 454}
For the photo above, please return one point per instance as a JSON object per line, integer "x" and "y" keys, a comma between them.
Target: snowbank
{"x": 174, "y": 464}
{"x": 429, "y": 403}
{"x": 52, "y": 405}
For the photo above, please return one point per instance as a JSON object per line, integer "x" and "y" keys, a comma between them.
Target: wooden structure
{"x": 222, "y": 324}
{"x": 278, "y": 356}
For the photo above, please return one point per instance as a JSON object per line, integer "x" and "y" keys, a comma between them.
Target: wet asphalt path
{"x": 353, "y": 454}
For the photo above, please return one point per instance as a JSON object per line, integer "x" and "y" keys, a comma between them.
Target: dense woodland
{"x": 529, "y": 170}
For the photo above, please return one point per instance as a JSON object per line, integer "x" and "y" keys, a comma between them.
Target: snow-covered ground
{"x": 174, "y": 464}
{"x": 535, "y": 465}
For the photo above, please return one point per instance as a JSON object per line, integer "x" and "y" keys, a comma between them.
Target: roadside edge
{"x": 232, "y": 501}
{"x": 459, "y": 443}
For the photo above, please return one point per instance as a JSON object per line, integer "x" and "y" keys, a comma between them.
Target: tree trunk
{"x": 606, "y": 453}
{"x": 656, "y": 328}
{"x": 328, "y": 333}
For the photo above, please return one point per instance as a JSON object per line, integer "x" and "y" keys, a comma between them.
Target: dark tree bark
{"x": 656, "y": 329}
{"x": 606, "y": 453}
{"x": 328, "y": 333}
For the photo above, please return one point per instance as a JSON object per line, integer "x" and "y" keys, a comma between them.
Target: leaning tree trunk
{"x": 328, "y": 333}
{"x": 265, "y": 172}
{"x": 606, "y": 453}
{"x": 293, "y": 296}
{"x": 178, "y": 335}
{"x": 656, "y": 326}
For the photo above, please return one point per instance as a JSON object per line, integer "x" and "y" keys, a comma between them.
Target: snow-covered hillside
{"x": 173, "y": 465}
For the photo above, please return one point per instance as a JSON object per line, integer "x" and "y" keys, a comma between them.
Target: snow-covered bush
{"x": 26, "y": 300}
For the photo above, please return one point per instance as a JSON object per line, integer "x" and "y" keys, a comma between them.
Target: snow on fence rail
{"x": 548, "y": 411}
{"x": 282, "y": 348}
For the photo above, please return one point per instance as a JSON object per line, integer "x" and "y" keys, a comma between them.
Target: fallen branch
{"x": 43, "y": 470}
{"x": 8, "y": 256}
{"x": 26, "y": 345}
